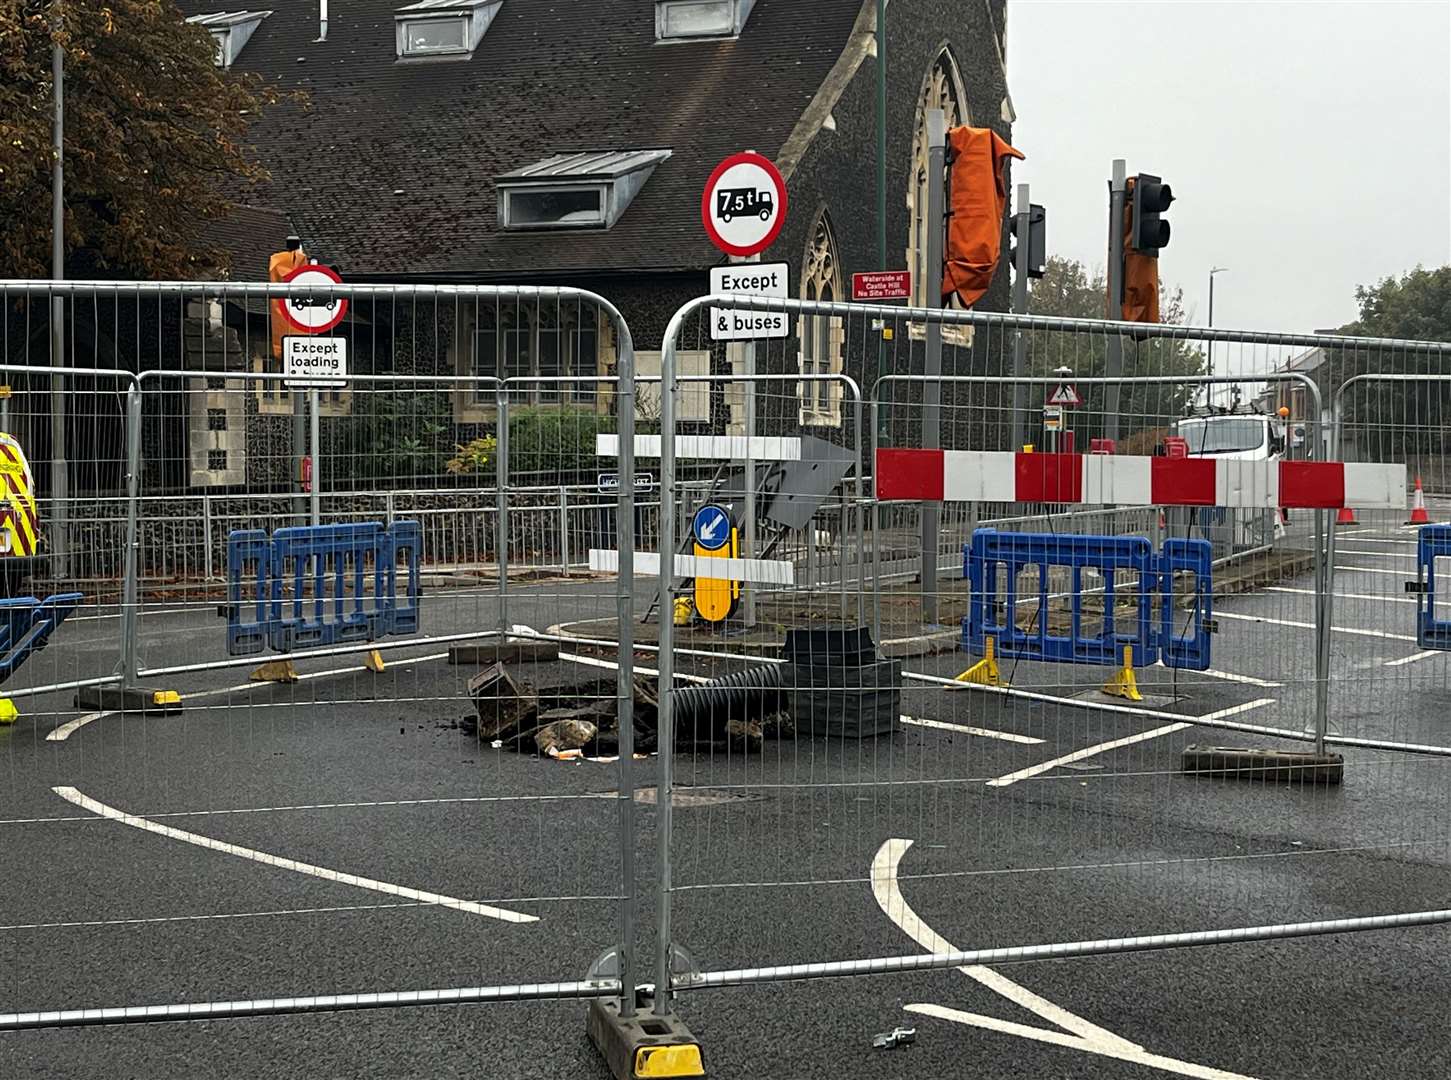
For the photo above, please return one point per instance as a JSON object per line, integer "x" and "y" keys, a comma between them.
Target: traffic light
{"x": 1151, "y": 197}
{"x": 1037, "y": 241}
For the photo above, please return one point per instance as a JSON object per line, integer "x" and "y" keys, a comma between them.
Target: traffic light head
{"x": 1151, "y": 197}
{"x": 1037, "y": 247}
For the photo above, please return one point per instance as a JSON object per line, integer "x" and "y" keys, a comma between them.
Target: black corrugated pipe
{"x": 743, "y": 695}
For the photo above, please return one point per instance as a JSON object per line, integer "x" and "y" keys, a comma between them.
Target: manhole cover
{"x": 684, "y": 797}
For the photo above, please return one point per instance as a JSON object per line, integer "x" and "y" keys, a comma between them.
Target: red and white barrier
{"x": 1097, "y": 479}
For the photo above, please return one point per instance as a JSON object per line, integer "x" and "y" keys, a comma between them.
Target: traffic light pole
{"x": 1022, "y": 223}
{"x": 932, "y": 387}
{"x": 1117, "y": 190}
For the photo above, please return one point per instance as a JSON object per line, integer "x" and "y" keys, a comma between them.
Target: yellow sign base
{"x": 985, "y": 671}
{"x": 1123, "y": 684}
{"x": 8, "y": 712}
{"x": 374, "y": 661}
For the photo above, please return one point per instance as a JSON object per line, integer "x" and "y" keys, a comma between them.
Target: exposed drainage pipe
{"x": 742, "y": 695}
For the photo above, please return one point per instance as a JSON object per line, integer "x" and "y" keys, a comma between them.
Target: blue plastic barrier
{"x": 310, "y": 586}
{"x": 334, "y": 585}
{"x": 993, "y": 564}
{"x": 26, "y": 625}
{"x": 250, "y": 590}
{"x": 1433, "y": 542}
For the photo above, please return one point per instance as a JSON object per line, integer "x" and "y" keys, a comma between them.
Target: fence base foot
{"x": 8, "y": 712}
{"x": 127, "y": 699}
{"x": 643, "y": 1045}
{"x": 374, "y": 661}
{"x": 278, "y": 671}
{"x": 1279, "y": 766}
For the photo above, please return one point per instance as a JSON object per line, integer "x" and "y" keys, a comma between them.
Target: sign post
{"x": 742, "y": 209}
{"x": 314, "y": 362}
{"x": 932, "y": 365}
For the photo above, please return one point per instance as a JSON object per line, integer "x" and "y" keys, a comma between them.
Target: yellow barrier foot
{"x": 985, "y": 672}
{"x": 1124, "y": 684}
{"x": 278, "y": 671}
{"x": 374, "y": 662}
{"x": 8, "y": 712}
{"x": 645, "y": 1045}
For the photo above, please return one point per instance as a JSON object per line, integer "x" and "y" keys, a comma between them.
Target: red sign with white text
{"x": 882, "y": 285}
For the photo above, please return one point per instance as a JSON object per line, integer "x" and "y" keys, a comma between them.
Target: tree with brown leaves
{"x": 155, "y": 138}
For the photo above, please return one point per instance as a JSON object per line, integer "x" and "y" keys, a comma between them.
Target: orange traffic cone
{"x": 1418, "y": 507}
{"x": 1346, "y": 516}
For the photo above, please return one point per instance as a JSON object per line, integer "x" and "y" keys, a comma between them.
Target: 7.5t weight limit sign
{"x": 744, "y": 204}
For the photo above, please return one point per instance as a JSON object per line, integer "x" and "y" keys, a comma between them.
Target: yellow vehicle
{"x": 19, "y": 522}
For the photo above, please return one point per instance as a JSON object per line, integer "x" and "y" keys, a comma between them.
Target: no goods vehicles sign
{"x": 315, "y": 314}
{"x": 749, "y": 279}
{"x": 315, "y": 363}
{"x": 744, "y": 204}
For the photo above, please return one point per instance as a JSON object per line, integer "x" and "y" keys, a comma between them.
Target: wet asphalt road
{"x": 814, "y": 849}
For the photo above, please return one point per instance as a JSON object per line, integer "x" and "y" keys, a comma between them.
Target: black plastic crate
{"x": 844, "y": 701}
{"x": 838, "y": 645}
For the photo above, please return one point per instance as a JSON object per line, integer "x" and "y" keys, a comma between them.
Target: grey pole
{"x": 313, "y": 445}
{"x": 748, "y": 360}
{"x": 932, "y": 388}
{"x": 625, "y": 687}
{"x": 1021, "y": 226}
{"x": 881, "y": 161}
{"x": 1117, "y": 188}
{"x": 501, "y": 447}
{"x": 59, "y": 468}
{"x": 299, "y": 440}
{"x": 130, "y": 593}
{"x": 1209, "y": 392}
{"x": 665, "y": 713}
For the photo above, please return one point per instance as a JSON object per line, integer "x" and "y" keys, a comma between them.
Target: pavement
{"x": 341, "y": 834}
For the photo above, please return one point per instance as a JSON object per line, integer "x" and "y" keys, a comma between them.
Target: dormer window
{"x": 684, "y": 20}
{"x": 230, "y": 31}
{"x": 450, "y": 29}
{"x": 586, "y": 190}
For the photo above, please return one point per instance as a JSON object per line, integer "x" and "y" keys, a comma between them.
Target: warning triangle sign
{"x": 1066, "y": 394}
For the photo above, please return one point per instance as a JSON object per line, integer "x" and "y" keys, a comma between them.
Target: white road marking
{"x": 1127, "y": 740}
{"x": 987, "y": 733}
{"x": 1086, "y": 752}
{"x": 1413, "y": 658}
{"x": 1228, "y": 676}
{"x": 1357, "y": 630}
{"x": 1085, "y": 1036}
{"x": 62, "y": 732}
{"x": 1374, "y": 554}
{"x": 1136, "y": 1056}
{"x": 70, "y": 794}
{"x": 1343, "y": 595}
{"x": 888, "y": 895}
{"x": 1372, "y": 570}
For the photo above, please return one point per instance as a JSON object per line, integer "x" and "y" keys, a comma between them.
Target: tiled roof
{"x": 391, "y": 170}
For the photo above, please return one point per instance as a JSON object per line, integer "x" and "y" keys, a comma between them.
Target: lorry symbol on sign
{"x": 732, "y": 203}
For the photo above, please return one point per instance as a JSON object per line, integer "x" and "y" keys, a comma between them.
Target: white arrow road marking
{"x": 84, "y": 801}
{"x": 1085, "y": 1036}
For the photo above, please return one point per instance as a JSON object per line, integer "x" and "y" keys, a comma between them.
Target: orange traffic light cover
{"x": 1141, "y": 273}
{"x": 979, "y": 195}
{"x": 279, "y": 265}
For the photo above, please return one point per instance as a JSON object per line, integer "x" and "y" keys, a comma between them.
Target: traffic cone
{"x": 1346, "y": 516}
{"x": 1418, "y": 507}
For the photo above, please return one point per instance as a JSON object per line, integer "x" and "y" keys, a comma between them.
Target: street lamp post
{"x": 1209, "y": 387}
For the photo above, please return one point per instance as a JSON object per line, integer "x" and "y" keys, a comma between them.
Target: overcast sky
{"x": 1308, "y": 143}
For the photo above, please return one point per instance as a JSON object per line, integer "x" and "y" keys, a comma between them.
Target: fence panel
{"x": 367, "y": 760}
{"x": 1000, "y": 802}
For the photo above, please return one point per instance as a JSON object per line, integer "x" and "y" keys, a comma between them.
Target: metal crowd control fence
{"x": 439, "y": 424}
{"x": 787, "y": 843}
{"x": 828, "y": 762}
